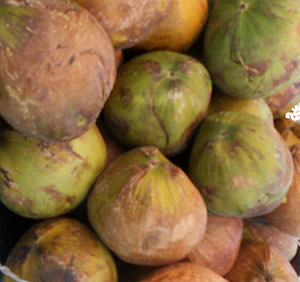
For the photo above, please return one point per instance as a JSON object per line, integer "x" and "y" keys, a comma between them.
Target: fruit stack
{"x": 150, "y": 140}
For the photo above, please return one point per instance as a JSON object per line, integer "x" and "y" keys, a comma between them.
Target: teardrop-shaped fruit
{"x": 159, "y": 99}
{"x": 240, "y": 164}
{"x": 180, "y": 28}
{"x": 61, "y": 250}
{"x": 127, "y": 22}
{"x": 146, "y": 209}
{"x": 42, "y": 180}
{"x": 57, "y": 68}
{"x": 251, "y": 47}
{"x": 261, "y": 262}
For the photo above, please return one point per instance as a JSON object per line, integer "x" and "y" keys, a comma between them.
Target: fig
{"x": 255, "y": 231}
{"x": 180, "y": 28}
{"x": 127, "y": 22}
{"x": 57, "y": 68}
{"x": 219, "y": 247}
{"x": 146, "y": 209}
{"x": 250, "y": 58}
{"x": 261, "y": 262}
{"x": 240, "y": 164}
{"x": 183, "y": 272}
{"x": 61, "y": 249}
{"x": 41, "y": 179}
{"x": 158, "y": 100}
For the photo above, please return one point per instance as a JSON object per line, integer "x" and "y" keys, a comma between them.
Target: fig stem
{"x": 6, "y": 271}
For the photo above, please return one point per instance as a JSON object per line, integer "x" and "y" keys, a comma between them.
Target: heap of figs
{"x": 150, "y": 141}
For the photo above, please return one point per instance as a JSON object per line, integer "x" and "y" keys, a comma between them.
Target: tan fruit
{"x": 183, "y": 272}
{"x": 180, "y": 28}
{"x": 219, "y": 247}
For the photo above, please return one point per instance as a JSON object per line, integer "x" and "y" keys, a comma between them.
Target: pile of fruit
{"x": 151, "y": 140}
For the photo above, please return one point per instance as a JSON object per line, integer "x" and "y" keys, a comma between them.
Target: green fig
{"x": 57, "y": 68}
{"x": 251, "y": 47}
{"x": 158, "y": 100}
{"x": 61, "y": 250}
{"x": 240, "y": 164}
{"x": 146, "y": 209}
{"x": 42, "y": 180}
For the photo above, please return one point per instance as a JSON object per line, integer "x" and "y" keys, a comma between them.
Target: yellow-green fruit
{"x": 42, "y": 180}
{"x": 146, "y": 210}
{"x": 61, "y": 250}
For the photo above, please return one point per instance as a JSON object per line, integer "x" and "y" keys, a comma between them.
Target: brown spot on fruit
{"x": 6, "y": 179}
{"x": 151, "y": 241}
{"x": 20, "y": 255}
{"x": 153, "y": 68}
{"x": 71, "y": 60}
{"x": 260, "y": 67}
{"x": 126, "y": 96}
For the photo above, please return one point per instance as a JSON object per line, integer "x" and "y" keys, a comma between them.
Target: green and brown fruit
{"x": 146, "y": 209}
{"x": 127, "y": 22}
{"x": 240, "y": 164}
{"x": 41, "y": 179}
{"x": 57, "y": 68}
{"x": 60, "y": 250}
{"x": 251, "y": 58}
{"x": 159, "y": 99}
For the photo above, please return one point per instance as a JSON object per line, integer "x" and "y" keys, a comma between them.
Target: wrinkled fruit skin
{"x": 168, "y": 92}
{"x": 56, "y": 64}
{"x": 61, "y": 249}
{"x": 250, "y": 58}
{"x": 127, "y": 22}
{"x": 42, "y": 180}
{"x": 240, "y": 164}
{"x": 146, "y": 210}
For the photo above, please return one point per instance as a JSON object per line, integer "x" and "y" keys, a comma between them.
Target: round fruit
{"x": 146, "y": 210}
{"x": 42, "y": 180}
{"x": 57, "y": 68}
{"x": 252, "y": 46}
{"x": 240, "y": 164}
{"x": 159, "y": 99}
{"x": 61, "y": 249}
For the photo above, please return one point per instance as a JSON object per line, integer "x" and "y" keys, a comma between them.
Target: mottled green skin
{"x": 252, "y": 46}
{"x": 42, "y": 180}
{"x": 61, "y": 250}
{"x": 158, "y": 99}
{"x": 146, "y": 209}
{"x": 239, "y": 165}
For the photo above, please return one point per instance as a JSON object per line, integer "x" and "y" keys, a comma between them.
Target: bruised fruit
{"x": 57, "y": 68}
{"x": 261, "y": 262}
{"x": 180, "y": 28}
{"x": 219, "y": 247}
{"x": 146, "y": 210}
{"x": 251, "y": 58}
{"x": 61, "y": 250}
{"x": 42, "y": 180}
{"x": 255, "y": 231}
{"x": 127, "y": 22}
{"x": 183, "y": 272}
{"x": 240, "y": 164}
{"x": 159, "y": 99}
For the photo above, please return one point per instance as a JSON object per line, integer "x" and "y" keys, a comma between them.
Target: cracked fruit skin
{"x": 159, "y": 99}
{"x": 56, "y": 64}
{"x": 61, "y": 249}
{"x": 240, "y": 164}
{"x": 43, "y": 180}
{"x": 146, "y": 209}
{"x": 251, "y": 47}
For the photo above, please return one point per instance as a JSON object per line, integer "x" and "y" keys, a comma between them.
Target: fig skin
{"x": 61, "y": 249}
{"x": 261, "y": 262}
{"x": 42, "y": 180}
{"x": 219, "y": 247}
{"x": 167, "y": 91}
{"x": 240, "y": 164}
{"x": 248, "y": 58}
{"x": 180, "y": 28}
{"x": 127, "y": 22}
{"x": 146, "y": 210}
{"x": 56, "y": 64}
{"x": 183, "y": 272}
